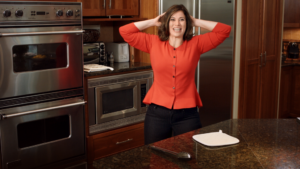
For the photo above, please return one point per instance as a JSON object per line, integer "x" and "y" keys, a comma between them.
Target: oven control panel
{"x": 23, "y": 11}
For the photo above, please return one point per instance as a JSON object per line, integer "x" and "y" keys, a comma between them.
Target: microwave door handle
{"x": 40, "y": 33}
{"x": 4, "y": 116}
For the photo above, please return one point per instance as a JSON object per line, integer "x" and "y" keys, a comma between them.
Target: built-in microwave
{"x": 118, "y": 96}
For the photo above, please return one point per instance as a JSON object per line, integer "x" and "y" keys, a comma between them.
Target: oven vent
{"x": 40, "y": 98}
{"x": 101, "y": 81}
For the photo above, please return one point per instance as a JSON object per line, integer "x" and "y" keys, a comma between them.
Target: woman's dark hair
{"x": 163, "y": 29}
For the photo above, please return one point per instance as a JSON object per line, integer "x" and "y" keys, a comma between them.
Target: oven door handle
{"x": 40, "y": 33}
{"x": 4, "y": 116}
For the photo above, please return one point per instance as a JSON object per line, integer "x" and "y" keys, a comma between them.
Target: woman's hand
{"x": 193, "y": 20}
{"x": 156, "y": 21}
{"x": 141, "y": 25}
{"x": 208, "y": 25}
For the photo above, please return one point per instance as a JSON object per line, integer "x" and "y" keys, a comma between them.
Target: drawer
{"x": 118, "y": 141}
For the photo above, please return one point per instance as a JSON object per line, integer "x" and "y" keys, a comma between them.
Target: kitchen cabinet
{"x": 112, "y": 137}
{"x": 115, "y": 141}
{"x": 285, "y": 91}
{"x": 295, "y": 112}
{"x": 289, "y": 92}
{"x": 110, "y": 7}
{"x": 260, "y": 56}
{"x": 292, "y": 13}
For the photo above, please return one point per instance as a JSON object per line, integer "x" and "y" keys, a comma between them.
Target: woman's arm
{"x": 208, "y": 25}
{"x": 141, "y": 25}
{"x": 140, "y": 40}
{"x": 219, "y": 32}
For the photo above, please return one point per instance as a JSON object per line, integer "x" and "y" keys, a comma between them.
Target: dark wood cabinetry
{"x": 295, "y": 112}
{"x": 292, "y": 13}
{"x": 260, "y": 55}
{"x": 93, "y": 7}
{"x": 289, "y": 92}
{"x": 285, "y": 91}
{"x": 110, "y": 7}
{"x": 115, "y": 141}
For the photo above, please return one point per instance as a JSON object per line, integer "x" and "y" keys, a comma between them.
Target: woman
{"x": 174, "y": 55}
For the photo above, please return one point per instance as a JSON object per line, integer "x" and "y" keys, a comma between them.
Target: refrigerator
{"x": 214, "y": 72}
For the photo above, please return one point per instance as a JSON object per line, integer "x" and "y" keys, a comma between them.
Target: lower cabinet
{"x": 285, "y": 91}
{"x": 114, "y": 141}
{"x": 295, "y": 112}
{"x": 289, "y": 92}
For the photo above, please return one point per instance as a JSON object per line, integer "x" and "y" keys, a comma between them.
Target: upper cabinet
{"x": 110, "y": 7}
{"x": 292, "y": 13}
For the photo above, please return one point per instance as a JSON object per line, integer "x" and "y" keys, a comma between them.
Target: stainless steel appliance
{"x": 41, "y": 85}
{"x": 94, "y": 53}
{"x": 117, "y": 97}
{"x": 44, "y": 133}
{"x": 293, "y": 50}
{"x": 120, "y": 51}
{"x": 215, "y": 68}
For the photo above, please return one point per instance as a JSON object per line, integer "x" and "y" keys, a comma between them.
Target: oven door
{"x": 40, "y": 59}
{"x": 37, "y": 135}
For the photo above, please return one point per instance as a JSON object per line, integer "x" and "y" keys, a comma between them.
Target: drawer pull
{"x": 124, "y": 141}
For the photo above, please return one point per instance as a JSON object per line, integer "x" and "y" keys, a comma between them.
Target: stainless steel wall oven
{"x": 117, "y": 97}
{"x": 41, "y": 84}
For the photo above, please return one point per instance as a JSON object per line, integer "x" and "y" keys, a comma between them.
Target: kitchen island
{"x": 264, "y": 143}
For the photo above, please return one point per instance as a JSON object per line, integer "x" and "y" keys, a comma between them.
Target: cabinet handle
{"x": 104, "y": 4}
{"x": 261, "y": 59}
{"x": 109, "y": 4}
{"x": 121, "y": 142}
{"x": 265, "y": 58}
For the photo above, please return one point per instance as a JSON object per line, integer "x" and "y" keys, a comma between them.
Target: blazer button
{"x": 173, "y": 87}
{"x": 173, "y": 65}
{"x": 174, "y": 57}
{"x": 173, "y": 76}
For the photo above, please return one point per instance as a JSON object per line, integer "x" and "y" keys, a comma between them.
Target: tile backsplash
{"x": 291, "y": 33}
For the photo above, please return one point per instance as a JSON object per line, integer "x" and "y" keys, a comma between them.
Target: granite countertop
{"x": 264, "y": 143}
{"x": 120, "y": 67}
{"x": 290, "y": 63}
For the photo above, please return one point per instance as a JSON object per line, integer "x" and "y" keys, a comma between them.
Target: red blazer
{"x": 174, "y": 68}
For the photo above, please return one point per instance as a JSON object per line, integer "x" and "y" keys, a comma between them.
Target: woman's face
{"x": 177, "y": 25}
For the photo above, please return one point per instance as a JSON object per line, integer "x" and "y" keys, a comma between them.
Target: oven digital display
{"x": 40, "y": 13}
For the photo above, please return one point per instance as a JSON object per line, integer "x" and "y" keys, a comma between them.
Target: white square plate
{"x": 215, "y": 139}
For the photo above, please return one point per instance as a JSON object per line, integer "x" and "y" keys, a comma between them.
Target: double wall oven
{"x": 41, "y": 85}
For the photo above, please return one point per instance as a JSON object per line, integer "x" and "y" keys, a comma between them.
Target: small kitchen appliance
{"x": 94, "y": 53}
{"x": 120, "y": 51}
{"x": 293, "y": 50}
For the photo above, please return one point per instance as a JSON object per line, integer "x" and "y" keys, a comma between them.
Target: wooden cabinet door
{"x": 122, "y": 7}
{"x": 270, "y": 52}
{"x": 291, "y": 13}
{"x": 295, "y": 101}
{"x": 250, "y": 59}
{"x": 93, "y": 7}
{"x": 285, "y": 91}
{"x": 260, "y": 51}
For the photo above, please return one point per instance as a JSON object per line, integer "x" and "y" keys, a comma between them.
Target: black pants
{"x": 162, "y": 123}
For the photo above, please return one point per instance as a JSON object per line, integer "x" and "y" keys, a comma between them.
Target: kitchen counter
{"x": 120, "y": 67}
{"x": 290, "y": 63}
{"x": 264, "y": 143}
